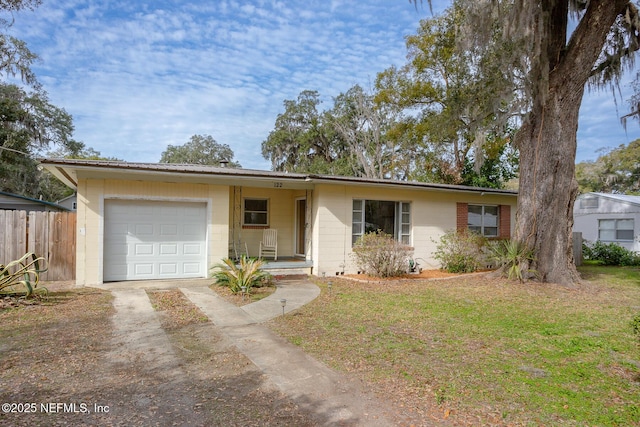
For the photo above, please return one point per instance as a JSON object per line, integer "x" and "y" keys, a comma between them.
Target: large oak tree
{"x": 200, "y": 150}
{"x": 457, "y": 105}
{"x": 562, "y": 45}
{"x": 29, "y": 123}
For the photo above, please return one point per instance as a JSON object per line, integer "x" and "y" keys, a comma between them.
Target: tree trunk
{"x": 548, "y": 188}
{"x": 547, "y": 139}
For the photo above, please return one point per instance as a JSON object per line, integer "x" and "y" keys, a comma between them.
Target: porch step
{"x": 288, "y": 267}
{"x": 292, "y": 277}
{"x": 289, "y": 273}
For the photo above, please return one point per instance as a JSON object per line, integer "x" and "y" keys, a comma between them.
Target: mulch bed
{"x": 423, "y": 275}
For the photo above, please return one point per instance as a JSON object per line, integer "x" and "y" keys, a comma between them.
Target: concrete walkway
{"x": 329, "y": 396}
{"x": 296, "y": 293}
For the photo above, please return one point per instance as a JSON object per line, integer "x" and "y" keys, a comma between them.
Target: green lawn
{"x": 486, "y": 351}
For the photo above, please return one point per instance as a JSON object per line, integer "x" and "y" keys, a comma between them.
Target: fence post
{"x": 577, "y": 247}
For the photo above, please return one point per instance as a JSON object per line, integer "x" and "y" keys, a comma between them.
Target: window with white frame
{"x": 615, "y": 229}
{"x": 483, "y": 219}
{"x": 255, "y": 212}
{"x": 393, "y": 218}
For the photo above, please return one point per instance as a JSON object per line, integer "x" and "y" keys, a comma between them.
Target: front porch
{"x": 277, "y": 219}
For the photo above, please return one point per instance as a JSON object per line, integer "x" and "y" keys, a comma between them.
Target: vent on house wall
{"x": 589, "y": 202}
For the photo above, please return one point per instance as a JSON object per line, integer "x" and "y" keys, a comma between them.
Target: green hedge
{"x": 610, "y": 254}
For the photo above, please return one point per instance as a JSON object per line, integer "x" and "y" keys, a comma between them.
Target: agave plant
{"x": 513, "y": 258}
{"x": 21, "y": 277}
{"x": 246, "y": 274}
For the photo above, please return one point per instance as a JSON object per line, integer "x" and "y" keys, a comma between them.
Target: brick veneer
{"x": 462, "y": 216}
{"x": 505, "y": 222}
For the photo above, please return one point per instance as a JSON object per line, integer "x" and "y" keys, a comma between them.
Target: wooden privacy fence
{"x": 51, "y": 235}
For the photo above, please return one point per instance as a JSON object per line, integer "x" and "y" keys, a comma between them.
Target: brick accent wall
{"x": 505, "y": 222}
{"x": 462, "y": 216}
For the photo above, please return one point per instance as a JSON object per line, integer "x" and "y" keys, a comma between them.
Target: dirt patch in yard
{"x": 53, "y": 353}
{"x": 423, "y": 275}
{"x": 55, "y": 370}
{"x": 231, "y": 385}
{"x": 174, "y": 309}
{"x": 238, "y": 299}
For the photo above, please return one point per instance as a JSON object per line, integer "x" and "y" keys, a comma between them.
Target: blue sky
{"x": 138, "y": 76}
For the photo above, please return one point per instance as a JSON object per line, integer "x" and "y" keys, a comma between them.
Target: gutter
{"x": 327, "y": 179}
{"x": 207, "y": 172}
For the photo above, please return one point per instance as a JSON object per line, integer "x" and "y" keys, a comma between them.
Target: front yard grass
{"x": 480, "y": 351}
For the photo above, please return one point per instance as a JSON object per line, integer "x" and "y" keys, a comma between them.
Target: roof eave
{"x": 67, "y": 171}
{"x": 325, "y": 179}
{"x": 617, "y": 199}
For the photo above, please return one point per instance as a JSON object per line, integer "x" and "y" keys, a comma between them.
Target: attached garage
{"x": 146, "y": 240}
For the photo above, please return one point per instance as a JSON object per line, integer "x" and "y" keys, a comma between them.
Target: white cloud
{"x": 140, "y": 76}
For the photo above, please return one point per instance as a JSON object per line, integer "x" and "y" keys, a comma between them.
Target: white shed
{"x": 610, "y": 218}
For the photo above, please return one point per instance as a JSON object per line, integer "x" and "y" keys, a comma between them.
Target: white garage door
{"x": 153, "y": 240}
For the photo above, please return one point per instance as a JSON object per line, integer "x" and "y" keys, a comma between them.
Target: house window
{"x": 615, "y": 229}
{"x": 589, "y": 202}
{"x": 483, "y": 220}
{"x": 393, "y": 218}
{"x": 256, "y": 212}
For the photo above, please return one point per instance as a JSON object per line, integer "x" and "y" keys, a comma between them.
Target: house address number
{"x": 277, "y": 184}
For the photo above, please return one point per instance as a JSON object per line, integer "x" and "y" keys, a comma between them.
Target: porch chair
{"x": 269, "y": 243}
{"x": 240, "y": 249}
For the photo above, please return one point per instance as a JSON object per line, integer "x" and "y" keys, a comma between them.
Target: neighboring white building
{"x": 69, "y": 202}
{"x": 610, "y": 218}
{"x": 9, "y": 201}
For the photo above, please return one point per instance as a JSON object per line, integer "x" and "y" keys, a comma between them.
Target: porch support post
{"x": 237, "y": 216}
{"x": 308, "y": 224}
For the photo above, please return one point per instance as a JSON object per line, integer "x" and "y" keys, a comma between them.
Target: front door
{"x": 301, "y": 213}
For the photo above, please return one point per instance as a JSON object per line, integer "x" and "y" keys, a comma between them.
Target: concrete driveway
{"x": 330, "y": 396}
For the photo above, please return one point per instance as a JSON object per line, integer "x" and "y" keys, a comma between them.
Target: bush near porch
{"x": 379, "y": 254}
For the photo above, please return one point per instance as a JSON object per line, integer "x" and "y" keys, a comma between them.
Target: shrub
{"x": 247, "y": 273}
{"x": 379, "y": 254}
{"x": 462, "y": 252}
{"x": 21, "y": 277}
{"x": 610, "y": 254}
{"x": 513, "y": 258}
{"x": 635, "y": 326}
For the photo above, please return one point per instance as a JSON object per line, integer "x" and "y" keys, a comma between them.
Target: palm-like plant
{"x": 246, "y": 274}
{"x": 21, "y": 277}
{"x": 514, "y": 259}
